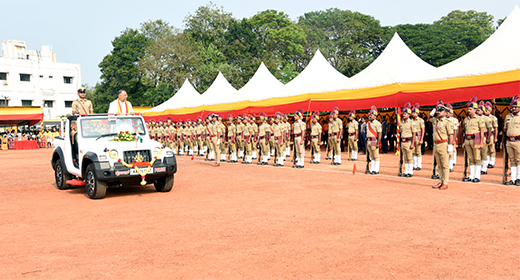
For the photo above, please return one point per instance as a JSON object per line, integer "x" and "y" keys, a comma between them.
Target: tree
{"x": 349, "y": 40}
{"x": 119, "y": 70}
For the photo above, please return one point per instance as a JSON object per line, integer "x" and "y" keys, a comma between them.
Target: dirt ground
{"x": 259, "y": 222}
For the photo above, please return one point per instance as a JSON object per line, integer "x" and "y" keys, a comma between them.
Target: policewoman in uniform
{"x": 353, "y": 135}
{"x": 512, "y": 132}
{"x": 474, "y": 135}
{"x": 443, "y": 144}
{"x": 316, "y": 138}
{"x": 374, "y": 139}
{"x": 406, "y": 129}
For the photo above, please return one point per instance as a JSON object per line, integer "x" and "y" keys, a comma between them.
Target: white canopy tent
{"x": 256, "y": 88}
{"x": 219, "y": 89}
{"x": 185, "y": 94}
{"x": 499, "y": 53}
{"x": 318, "y": 76}
{"x": 397, "y": 63}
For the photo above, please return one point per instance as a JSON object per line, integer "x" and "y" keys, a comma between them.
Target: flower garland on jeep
{"x": 126, "y": 136}
{"x": 143, "y": 181}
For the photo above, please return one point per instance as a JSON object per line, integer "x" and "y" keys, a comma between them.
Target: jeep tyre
{"x": 61, "y": 176}
{"x": 95, "y": 189}
{"x": 164, "y": 184}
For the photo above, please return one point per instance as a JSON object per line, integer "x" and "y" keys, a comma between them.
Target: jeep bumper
{"x": 120, "y": 174}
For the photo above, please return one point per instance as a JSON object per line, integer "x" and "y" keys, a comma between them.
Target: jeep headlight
{"x": 156, "y": 150}
{"x": 114, "y": 154}
{"x": 169, "y": 153}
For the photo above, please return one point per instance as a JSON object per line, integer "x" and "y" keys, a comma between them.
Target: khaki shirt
{"x": 512, "y": 125}
{"x": 418, "y": 125}
{"x": 352, "y": 126}
{"x": 454, "y": 122}
{"x": 263, "y": 129}
{"x": 172, "y": 130}
{"x": 336, "y": 125}
{"x": 442, "y": 130}
{"x": 231, "y": 130}
{"x": 376, "y": 126}
{"x": 406, "y": 128}
{"x": 298, "y": 127}
{"x": 222, "y": 128}
{"x": 180, "y": 131}
{"x": 82, "y": 105}
{"x": 255, "y": 128}
{"x": 473, "y": 125}
{"x": 316, "y": 129}
{"x": 247, "y": 129}
{"x": 240, "y": 128}
{"x": 277, "y": 130}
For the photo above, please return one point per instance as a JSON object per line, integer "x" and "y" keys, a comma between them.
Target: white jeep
{"x": 92, "y": 151}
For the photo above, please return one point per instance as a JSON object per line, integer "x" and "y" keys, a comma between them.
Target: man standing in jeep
{"x": 82, "y": 106}
{"x": 121, "y": 106}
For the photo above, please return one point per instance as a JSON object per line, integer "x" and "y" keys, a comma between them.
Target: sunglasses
{"x": 82, "y": 91}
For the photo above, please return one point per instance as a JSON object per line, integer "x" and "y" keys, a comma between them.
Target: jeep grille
{"x": 130, "y": 155}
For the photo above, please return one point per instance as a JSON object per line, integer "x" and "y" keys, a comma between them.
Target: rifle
{"x": 434, "y": 169}
{"x": 466, "y": 164}
{"x": 506, "y": 158}
{"x": 400, "y": 174}
{"x": 259, "y": 155}
{"x": 327, "y": 147}
{"x": 368, "y": 158}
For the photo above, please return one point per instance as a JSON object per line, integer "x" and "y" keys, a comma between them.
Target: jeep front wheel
{"x": 95, "y": 189}
{"x": 164, "y": 184}
{"x": 61, "y": 175}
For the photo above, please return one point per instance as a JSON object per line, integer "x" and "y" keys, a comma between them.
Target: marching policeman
{"x": 337, "y": 131}
{"x": 455, "y": 123}
{"x": 263, "y": 135}
{"x": 278, "y": 140}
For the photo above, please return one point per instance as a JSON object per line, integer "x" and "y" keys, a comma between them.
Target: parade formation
{"x": 283, "y": 138}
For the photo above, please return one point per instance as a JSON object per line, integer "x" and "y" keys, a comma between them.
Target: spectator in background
{"x": 391, "y": 133}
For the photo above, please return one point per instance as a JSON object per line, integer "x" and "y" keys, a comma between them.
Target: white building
{"x": 34, "y": 78}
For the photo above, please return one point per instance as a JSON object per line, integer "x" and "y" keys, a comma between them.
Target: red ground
{"x": 259, "y": 222}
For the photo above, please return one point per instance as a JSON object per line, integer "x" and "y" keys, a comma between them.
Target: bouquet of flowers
{"x": 125, "y": 136}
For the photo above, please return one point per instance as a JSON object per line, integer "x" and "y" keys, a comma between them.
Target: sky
{"x": 82, "y": 31}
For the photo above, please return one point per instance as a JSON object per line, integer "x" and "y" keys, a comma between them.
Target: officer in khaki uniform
{"x": 271, "y": 139}
{"x": 180, "y": 138}
{"x": 488, "y": 132}
{"x": 207, "y": 139}
{"x": 316, "y": 138}
{"x": 299, "y": 135}
{"x": 200, "y": 138}
{"x": 406, "y": 129}
{"x": 353, "y": 135}
{"x": 329, "y": 137}
{"x": 373, "y": 140}
{"x": 81, "y": 105}
{"x": 474, "y": 137}
{"x": 214, "y": 131}
{"x": 222, "y": 128}
{"x": 160, "y": 131}
{"x": 247, "y": 140}
{"x": 278, "y": 139}
{"x": 443, "y": 144}
{"x": 263, "y": 135}
{"x": 231, "y": 139}
{"x": 173, "y": 133}
{"x": 455, "y": 123}
{"x": 151, "y": 130}
{"x": 336, "y": 130}
{"x": 493, "y": 139}
{"x": 512, "y": 132}
{"x": 418, "y": 130}
{"x": 240, "y": 137}
{"x": 254, "y": 136}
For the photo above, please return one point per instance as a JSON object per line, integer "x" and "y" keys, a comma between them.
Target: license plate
{"x": 143, "y": 170}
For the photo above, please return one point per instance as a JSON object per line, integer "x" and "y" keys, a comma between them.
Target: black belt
{"x": 351, "y": 134}
{"x": 470, "y": 137}
{"x": 261, "y": 137}
{"x": 297, "y": 135}
{"x": 513, "y": 138}
{"x": 405, "y": 140}
{"x": 315, "y": 136}
{"x": 335, "y": 133}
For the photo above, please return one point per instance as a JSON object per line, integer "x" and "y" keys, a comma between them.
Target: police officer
{"x": 299, "y": 136}
{"x": 222, "y": 128}
{"x": 474, "y": 135}
{"x": 278, "y": 139}
{"x": 418, "y": 130}
{"x": 254, "y": 136}
{"x": 336, "y": 129}
{"x": 373, "y": 140}
{"x": 443, "y": 144}
{"x": 512, "y": 132}
{"x": 180, "y": 138}
{"x": 353, "y": 135}
{"x": 494, "y": 135}
{"x": 247, "y": 140}
{"x": 231, "y": 139}
{"x": 316, "y": 138}
{"x": 455, "y": 123}
{"x": 407, "y": 131}
{"x": 214, "y": 131}
{"x": 240, "y": 137}
{"x": 488, "y": 132}
{"x": 263, "y": 135}
{"x": 81, "y": 105}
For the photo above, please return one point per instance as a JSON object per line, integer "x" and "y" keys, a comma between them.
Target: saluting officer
{"x": 374, "y": 139}
{"x": 353, "y": 135}
{"x": 443, "y": 144}
{"x": 493, "y": 139}
{"x": 512, "y": 132}
{"x": 418, "y": 130}
{"x": 316, "y": 138}
{"x": 474, "y": 135}
{"x": 407, "y": 131}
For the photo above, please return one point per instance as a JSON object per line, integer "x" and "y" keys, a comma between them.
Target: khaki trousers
{"x": 472, "y": 152}
{"x": 407, "y": 152}
{"x": 216, "y": 148}
{"x": 264, "y": 147}
{"x": 352, "y": 144}
{"x": 513, "y": 151}
{"x": 335, "y": 145}
{"x": 298, "y": 147}
{"x": 373, "y": 151}
{"x": 440, "y": 151}
{"x": 417, "y": 151}
{"x": 315, "y": 146}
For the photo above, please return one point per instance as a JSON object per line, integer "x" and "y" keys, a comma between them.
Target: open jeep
{"x": 102, "y": 151}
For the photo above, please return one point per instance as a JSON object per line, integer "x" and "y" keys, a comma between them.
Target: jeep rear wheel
{"x": 61, "y": 176}
{"x": 95, "y": 189}
{"x": 164, "y": 184}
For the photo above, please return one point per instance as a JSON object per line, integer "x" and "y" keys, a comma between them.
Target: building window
{"x": 50, "y": 77}
{"x": 3, "y": 76}
{"x": 4, "y": 102}
{"x": 68, "y": 104}
{"x": 41, "y": 76}
{"x": 25, "y": 77}
{"x": 67, "y": 80}
{"x": 26, "y": 102}
{"x": 48, "y": 104}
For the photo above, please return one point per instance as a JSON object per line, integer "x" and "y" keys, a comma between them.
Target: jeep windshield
{"x": 111, "y": 126}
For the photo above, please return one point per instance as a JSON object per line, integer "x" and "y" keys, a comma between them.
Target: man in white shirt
{"x": 121, "y": 106}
